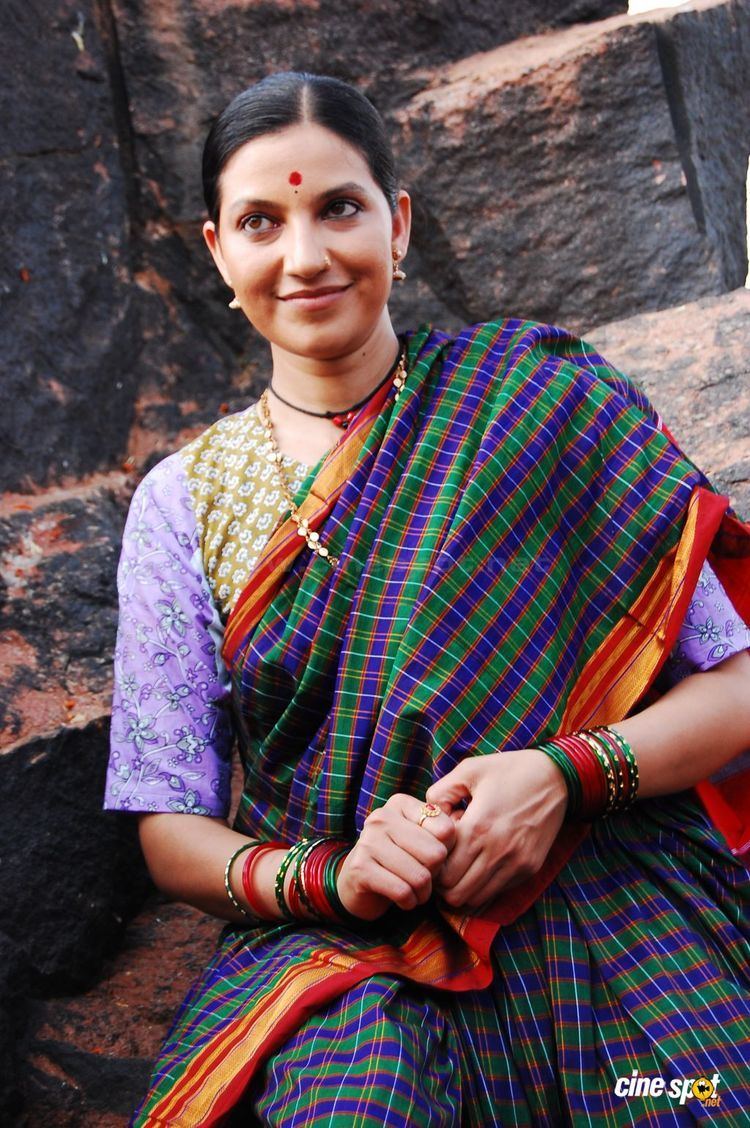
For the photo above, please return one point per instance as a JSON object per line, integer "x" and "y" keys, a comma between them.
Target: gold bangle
{"x": 227, "y": 870}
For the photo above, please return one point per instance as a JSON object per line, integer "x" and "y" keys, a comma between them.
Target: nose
{"x": 304, "y": 255}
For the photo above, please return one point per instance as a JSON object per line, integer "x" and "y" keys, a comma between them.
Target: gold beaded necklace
{"x": 312, "y": 539}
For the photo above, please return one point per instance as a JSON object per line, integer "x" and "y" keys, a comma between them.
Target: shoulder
{"x": 162, "y": 498}
{"x": 221, "y": 443}
{"x": 503, "y": 341}
{"x": 555, "y": 358}
{"x": 206, "y": 463}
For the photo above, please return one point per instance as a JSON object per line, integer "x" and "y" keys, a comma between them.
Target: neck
{"x": 334, "y": 383}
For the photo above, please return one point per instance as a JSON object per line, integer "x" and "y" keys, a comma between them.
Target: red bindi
{"x": 295, "y": 178}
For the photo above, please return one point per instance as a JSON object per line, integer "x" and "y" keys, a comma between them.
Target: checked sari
{"x": 517, "y": 538}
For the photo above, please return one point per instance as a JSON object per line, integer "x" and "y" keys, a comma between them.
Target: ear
{"x": 211, "y": 236}
{"x": 401, "y": 224}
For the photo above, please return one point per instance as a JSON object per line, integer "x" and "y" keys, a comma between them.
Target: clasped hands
{"x": 516, "y": 805}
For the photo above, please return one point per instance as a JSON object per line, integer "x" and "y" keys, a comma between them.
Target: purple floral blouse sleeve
{"x": 711, "y": 631}
{"x": 171, "y": 737}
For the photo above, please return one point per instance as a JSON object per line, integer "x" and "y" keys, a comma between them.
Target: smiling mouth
{"x": 310, "y": 295}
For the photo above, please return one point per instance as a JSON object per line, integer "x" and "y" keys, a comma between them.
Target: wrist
{"x": 306, "y": 881}
{"x": 599, "y": 769}
{"x": 553, "y": 781}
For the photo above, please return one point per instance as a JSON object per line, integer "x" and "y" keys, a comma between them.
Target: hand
{"x": 517, "y": 805}
{"x": 394, "y": 860}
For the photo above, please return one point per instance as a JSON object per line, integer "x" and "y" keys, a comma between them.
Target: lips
{"x": 312, "y": 295}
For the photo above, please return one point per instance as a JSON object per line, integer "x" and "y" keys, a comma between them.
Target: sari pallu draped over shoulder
{"x": 517, "y": 539}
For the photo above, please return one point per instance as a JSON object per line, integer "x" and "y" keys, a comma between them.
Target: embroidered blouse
{"x": 172, "y": 730}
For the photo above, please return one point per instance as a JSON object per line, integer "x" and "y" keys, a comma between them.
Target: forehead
{"x": 313, "y": 151}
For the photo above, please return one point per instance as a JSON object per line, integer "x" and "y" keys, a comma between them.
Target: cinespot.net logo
{"x": 677, "y": 1089}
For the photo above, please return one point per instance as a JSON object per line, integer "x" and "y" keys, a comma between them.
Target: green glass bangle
{"x": 281, "y": 875}
{"x": 613, "y": 748}
{"x": 227, "y": 870}
{"x": 331, "y": 890}
{"x": 570, "y": 775}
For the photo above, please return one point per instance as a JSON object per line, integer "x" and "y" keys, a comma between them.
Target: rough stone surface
{"x": 694, "y": 363}
{"x": 68, "y": 331}
{"x": 183, "y": 62}
{"x": 14, "y": 987}
{"x": 88, "y": 1057}
{"x": 706, "y": 61}
{"x": 516, "y": 155}
{"x": 115, "y": 332}
{"x": 71, "y": 872}
{"x": 58, "y": 606}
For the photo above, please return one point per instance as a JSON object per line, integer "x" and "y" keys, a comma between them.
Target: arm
{"x": 171, "y": 734}
{"x": 187, "y": 855}
{"x": 699, "y": 725}
{"x": 519, "y": 798}
{"x": 694, "y": 729}
{"x": 393, "y": 862}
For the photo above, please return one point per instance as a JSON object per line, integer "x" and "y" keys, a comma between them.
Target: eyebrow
{"x": 338, "y": 190}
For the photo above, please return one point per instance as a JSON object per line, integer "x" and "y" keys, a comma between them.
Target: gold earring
{"x": 398, "y": 273}
{"x": 235, "y": 303}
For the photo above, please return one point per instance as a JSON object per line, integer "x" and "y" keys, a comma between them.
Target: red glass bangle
{"x": 590, "y": 774}
{"x": 317, "y": 888}
{"x": 248, "y": 887}
{"x": 314, "y": 879}
{"x": 310, "y": 876}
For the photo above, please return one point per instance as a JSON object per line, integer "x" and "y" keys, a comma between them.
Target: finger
{"x": 383, "y": 882}
{"x": 431, "y": 849}
{"x": 445, "y": 833}
{"x": 402, "y": 862}
{"x": 476, "y": 892}
{"x": 428, "y": 818}
{"x": 459, "y": 861}
{"x": 452, "y": 788}
{"x": 476, "y": 887}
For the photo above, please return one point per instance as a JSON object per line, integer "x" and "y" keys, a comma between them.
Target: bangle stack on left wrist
{"x": 600, "y": 771}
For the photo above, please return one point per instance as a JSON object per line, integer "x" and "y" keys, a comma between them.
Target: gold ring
{"x": 429, "y": 811}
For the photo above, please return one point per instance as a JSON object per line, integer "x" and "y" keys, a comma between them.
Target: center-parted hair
{"x": 289, "y": 98}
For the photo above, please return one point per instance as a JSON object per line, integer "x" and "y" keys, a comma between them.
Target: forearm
{"x": 187, "y": 855}
{"x": 694, "y": 729}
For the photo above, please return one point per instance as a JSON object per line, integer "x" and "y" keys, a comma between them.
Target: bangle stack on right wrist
{"x": 312, "y": 893}
{"x": 313, "y": 885}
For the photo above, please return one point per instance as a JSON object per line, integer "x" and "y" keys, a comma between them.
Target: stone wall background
{"x": 567, "y": 162}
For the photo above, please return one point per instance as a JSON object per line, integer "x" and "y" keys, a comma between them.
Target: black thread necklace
{"x": 343, "y": 418}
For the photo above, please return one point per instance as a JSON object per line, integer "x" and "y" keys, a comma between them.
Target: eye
{"x": 343, "y": 209}
{"x": 257, "y": 223}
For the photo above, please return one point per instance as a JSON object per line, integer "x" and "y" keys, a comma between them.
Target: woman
{"x": 406, "y": 580}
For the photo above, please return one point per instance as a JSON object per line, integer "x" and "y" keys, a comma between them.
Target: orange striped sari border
{"x": 628, "y": 660}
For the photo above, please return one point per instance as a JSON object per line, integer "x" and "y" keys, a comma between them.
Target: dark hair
{"x": 288, "y": 98}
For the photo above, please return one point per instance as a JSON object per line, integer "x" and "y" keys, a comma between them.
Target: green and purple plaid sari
{"x": 517, "y": 538}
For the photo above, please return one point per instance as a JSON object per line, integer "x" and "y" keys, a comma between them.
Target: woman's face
{"x": 305, "y": 240}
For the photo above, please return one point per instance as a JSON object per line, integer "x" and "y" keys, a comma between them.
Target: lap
{"x": 382, "y": 1053}
{"x": 633, "y": 959}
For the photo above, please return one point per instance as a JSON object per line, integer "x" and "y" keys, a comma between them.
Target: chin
{"x": 323, "y": 341}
